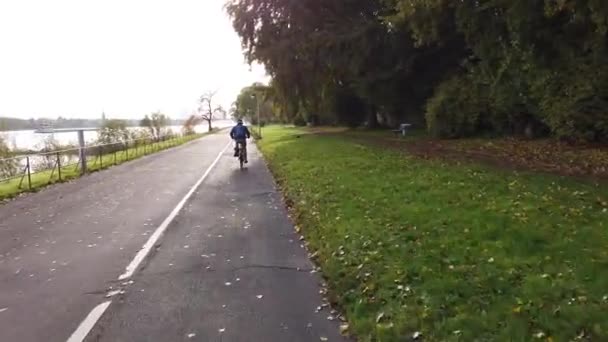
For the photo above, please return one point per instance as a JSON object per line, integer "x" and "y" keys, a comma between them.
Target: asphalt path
{"x": 229, "y": 266}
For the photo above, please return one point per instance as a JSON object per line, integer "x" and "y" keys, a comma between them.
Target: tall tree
{"x": 207, "y": 108}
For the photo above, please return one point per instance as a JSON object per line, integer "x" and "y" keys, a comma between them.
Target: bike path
{"x": 63, "y": 248}
{"x": 229, "y": 268}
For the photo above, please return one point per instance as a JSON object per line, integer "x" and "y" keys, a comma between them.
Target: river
{"x": 29, "y": 140}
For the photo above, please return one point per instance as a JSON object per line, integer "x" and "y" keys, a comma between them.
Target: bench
{"x": 402, "y": 129}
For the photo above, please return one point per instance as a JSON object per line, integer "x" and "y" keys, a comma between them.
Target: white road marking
{"x": 141, "y": 255}
{"x": 89, "y": 322}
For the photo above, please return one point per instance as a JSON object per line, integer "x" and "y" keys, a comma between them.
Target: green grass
{"x": 42, "y": 179}
{"x": 456, "y": 252}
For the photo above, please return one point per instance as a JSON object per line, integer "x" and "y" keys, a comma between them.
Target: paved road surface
{"x": 229, "y": 268}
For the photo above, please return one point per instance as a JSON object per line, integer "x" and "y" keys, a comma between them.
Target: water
{"x": 29, "y": 140}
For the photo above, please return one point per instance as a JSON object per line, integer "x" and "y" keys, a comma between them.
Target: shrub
{"x": 299, "y": 121}
{"x": 574, "y": 102}
{"x": 457, "y": 108}
{"x": 8, "y": 167}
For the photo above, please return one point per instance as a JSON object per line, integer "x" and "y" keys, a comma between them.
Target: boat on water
{"x": 45, "y": 127}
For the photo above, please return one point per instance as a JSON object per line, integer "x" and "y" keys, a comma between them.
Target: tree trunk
{"x": 209, "y": 124}
{"x": 372, "y": 117}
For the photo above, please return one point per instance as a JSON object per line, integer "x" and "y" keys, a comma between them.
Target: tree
{"x": 221, "y": 112}
{"x": 147, "y": 123}
{"x": 323, "y": 53}
{"x": 190, "y": 123}
{"x": 113, "y": 131}
{"x": 254, "y": 97}
{"x": 206, "y": 108}
{"x": 156, "y": 123}
{"x": 466, "y": 67}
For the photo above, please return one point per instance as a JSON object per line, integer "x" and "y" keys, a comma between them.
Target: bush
{"x": 299, "y": 121}
{"x": 457, "y": 108}
{"x": 8, "y": 167}
{"x": 113, "y": 131}
{"x": 574, "y": 102}
{"x": 189, "y": 126}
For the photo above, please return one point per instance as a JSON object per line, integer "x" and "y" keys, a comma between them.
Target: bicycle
{"x": 242, "y": 153}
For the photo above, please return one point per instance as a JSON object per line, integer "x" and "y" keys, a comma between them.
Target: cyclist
{"x": 240, "y": 133}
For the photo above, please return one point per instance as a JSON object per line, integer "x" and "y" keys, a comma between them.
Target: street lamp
{"x": 257, "y": 101}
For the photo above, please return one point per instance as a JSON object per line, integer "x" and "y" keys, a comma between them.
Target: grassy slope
{"x": 459, "y": 253}
{"x": 44, "y": 178}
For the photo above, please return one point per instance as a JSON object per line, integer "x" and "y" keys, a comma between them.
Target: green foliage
{"x": 457, "y": 108}
{"x": 156, "y": 123}
{"x": 533, "y": 63}
{"x": 8, "y": 167}
{"x": 246, "y": 103}
{"x": 574, "y": 103}
{"x": 317, "y": 50}
{"x": 270, "y": 107}
{"x": 113, "y": 131}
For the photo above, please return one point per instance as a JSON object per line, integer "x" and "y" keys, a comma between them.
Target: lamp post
{"x": 257, "y": 101}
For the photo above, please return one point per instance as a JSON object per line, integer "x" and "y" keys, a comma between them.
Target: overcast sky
{"x": 77, "y": 58}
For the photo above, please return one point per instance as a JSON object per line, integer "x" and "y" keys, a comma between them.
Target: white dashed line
{"x": 89, "y": 322}
{"x": 141, "y": 255}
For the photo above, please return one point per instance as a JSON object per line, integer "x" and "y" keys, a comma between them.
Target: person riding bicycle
{"x": 240, "y": 133}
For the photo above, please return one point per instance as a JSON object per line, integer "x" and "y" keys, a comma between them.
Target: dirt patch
{"x": 589, "y": 162}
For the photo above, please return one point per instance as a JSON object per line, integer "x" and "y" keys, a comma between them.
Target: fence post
{"x": 82, "y": 152}
{"x": 59, "y": 166}
{"x": 101, "y": 157}
{"x": 126, "y": 150}
{"x": 29, "y": 173}
{"x": 114, "y": 156}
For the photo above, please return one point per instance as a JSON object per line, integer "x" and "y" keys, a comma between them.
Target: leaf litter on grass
{"x": 483, "y": 253}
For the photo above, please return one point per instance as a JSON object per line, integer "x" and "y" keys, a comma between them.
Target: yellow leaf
{"x": 344, "y": 329}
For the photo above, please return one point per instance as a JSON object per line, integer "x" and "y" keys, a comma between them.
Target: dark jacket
{"x": 240, "y": 132}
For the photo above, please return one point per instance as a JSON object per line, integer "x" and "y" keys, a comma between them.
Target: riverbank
{"x": 22, "y": 183}
{"x": 450, "y": 251}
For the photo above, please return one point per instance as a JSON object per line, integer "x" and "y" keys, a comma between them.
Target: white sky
{"x": 75, "y": 58}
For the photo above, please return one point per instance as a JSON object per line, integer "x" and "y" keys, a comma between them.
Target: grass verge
{"x": 11, "y": 188}
{"x": 453, "y": 252}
